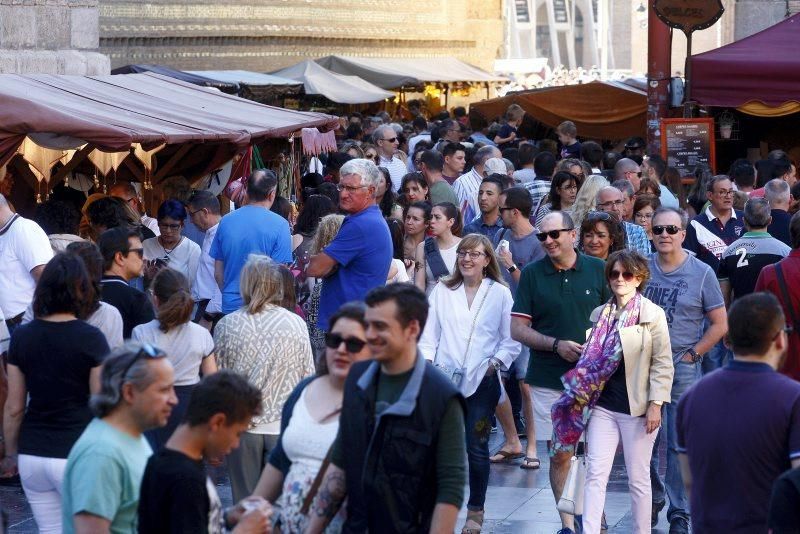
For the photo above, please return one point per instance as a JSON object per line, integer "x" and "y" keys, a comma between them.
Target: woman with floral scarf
{"x": 616, "y": 390}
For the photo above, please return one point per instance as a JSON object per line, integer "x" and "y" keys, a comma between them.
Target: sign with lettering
{"x": 685, "y": 143}
{"x": 688, "y": 15}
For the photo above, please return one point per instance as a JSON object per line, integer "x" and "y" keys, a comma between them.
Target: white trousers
{"x": 42, "y": 479}
{"x": 602, "y": 437}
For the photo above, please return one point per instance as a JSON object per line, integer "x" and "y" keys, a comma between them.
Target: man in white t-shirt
{"x": 24, "y": 251}
{"x": 204, "y": 212}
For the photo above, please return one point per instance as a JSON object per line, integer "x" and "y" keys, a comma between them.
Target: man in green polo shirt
{"x": 551, "y": 312}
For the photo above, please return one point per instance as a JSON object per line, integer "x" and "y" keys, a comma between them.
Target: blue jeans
{"x": 686, "y": 374}
{"x": 717, "y": 357}
{"x": 480, "y": 408}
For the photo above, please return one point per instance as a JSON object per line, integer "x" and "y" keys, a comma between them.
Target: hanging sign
{"x": 688, "y": 15}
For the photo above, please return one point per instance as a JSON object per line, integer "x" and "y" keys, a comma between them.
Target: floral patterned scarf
{"x": 583, "y": 385}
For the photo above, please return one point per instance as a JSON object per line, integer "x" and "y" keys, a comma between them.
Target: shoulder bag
{"x": 571, "y": 501}
{"x": 434, "y": 260}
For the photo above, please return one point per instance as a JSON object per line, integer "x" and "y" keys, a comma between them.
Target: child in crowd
{"x": 567, "y": 136}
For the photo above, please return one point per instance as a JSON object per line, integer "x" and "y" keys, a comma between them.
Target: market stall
{"x": 338, "y": 88}
{"x": 264, "y": 88}
{"x": 231, "y": 88}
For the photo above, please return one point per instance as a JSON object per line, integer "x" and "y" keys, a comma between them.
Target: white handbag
{"x": 571, "y": 501}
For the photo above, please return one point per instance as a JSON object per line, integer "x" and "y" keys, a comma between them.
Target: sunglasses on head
{"x": 615, "y": 274}
{"x": 670, "y": 229}
{"x": 552, "y": 234}
{"x": 351, "y": 344}
{"x": 598, "y": 216}
{"x": 148, "y": 352}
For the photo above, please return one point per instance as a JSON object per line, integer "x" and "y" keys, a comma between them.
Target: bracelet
{"x": 555, "y": 345}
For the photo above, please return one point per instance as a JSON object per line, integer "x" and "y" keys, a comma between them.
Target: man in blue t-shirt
{"x": 252, "y": 229}
{"x": 358, "y": 259}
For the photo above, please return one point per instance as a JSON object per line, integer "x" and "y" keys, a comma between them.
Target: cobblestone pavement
{"x": 518, "y": 501}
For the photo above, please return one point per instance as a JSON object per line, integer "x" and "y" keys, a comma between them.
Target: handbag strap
{"x": 785, "y": 293}
{"x": 433, "y": 257}
{"x": 312, "y": 491}
{"x": 475, "y": 321}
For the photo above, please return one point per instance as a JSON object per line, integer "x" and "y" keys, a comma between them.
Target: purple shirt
{"x": 740, "y": 427}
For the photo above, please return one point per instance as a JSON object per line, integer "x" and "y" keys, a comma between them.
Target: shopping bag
{"x": 571, "y": 501}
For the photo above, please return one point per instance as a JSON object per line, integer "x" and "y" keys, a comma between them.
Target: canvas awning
{"x": 113, "y": 113}
{"x": 245, "y": 77}
{"x": 600, "y": 110}
{"x": 761, "y": 71}
{"x": 228, "y": 87}
{"x": 338, "y": 88}
{"x": 393, "y": 73}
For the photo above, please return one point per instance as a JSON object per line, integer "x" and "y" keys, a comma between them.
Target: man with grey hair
{"x": 467, "y": 185}
{"x": 105, "y": 466}
{"x": 358, "y": 259}
{"x": 778, "y": 194}
{"x": 627, "y": 194}
{"x": 611, "y": 200}
{"x": 743, "y": 260}
{"x": 627, "y": 169}
{"x": 386, "y": 140}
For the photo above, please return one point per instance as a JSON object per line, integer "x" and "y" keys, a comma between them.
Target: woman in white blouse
{"x": 468, "y": 337}
{"x": 436, "y": 255}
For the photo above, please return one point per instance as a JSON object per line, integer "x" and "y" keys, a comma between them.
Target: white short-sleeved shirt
{"x": 184, "y": 258}
{"x": 185, "y": 346}
{"x": 205, "y": 286}
{"x": 23, "y": 246}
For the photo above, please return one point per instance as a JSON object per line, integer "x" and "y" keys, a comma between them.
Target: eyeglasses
{"x": 351, "y": 344}
{"x": 193, "y": 213}
{"x": 552, "y": 234}
{"x": 637, "y": 173}
{"x": 611, "y": 203}
{"x": 350, "y": 188}
{"x": 643, "y": 216}
{"x": 147, "y": 351}
{"x": 391, "y": 140}
{"x": 507, "y": 208}
{"x": 138, "y": 251}
{"x": 670, "y": 229}
{"x": 615, "y": 274}
{"x": 726, "y": 192}
{"x": 598, "y": 216}
{"x": 166, "y": 226}
{"x": 473, "y": 254}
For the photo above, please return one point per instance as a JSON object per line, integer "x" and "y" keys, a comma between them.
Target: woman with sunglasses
{"x": 269, "y": 345}
{"x": 468, "y": 336}
{"x": 436, "y": 255}
{"x": 600, "y": 235}
{"x": 310, "y": 421}
{"x": 171, "y": 249}
{"x": 616, "y": 390}
{"x": 563, "y": 192}
{"x": 53, "y": 365}
{"x": 644, "y": 207}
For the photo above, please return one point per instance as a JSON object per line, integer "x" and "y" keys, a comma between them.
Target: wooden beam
{"x": 21, "y": 170}
{"x": 76, "y": 160}
{"x": 135, "y": 170}
{"x": 170, "y": 164}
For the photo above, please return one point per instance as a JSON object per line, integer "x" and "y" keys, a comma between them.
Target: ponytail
{"x": 174, "y": 298}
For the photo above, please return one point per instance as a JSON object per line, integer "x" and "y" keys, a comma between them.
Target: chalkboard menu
{"x": 685, "y": 143}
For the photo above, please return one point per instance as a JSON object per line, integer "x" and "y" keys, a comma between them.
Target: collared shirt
{"x": 461, "y": 336}
{"x": 742, "y": 262}
{"x": 205, "y": 285}
{"x": 708, "y": 238}
{"x": 466, "y": 190}
{"x": 636, "y": 238}
{"x": 478, "y": 226}
{"x": 779, "y": 227}
{"x": 539, "y": 189}
{"x": 397, "y": 169}
{"x": 558, "y": 303}
{"x": 746, "y": 415}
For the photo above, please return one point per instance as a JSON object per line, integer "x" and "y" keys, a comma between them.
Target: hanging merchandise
{"x": 146, "y": 157}
{"x": 316, "y": 142}
{"x": 236, "y": 189}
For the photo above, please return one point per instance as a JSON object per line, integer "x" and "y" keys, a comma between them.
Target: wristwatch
{"x": 512, "y": 269}
{"x": 695, "y": 357}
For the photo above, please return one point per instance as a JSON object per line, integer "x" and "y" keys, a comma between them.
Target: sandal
{"x": 505, "y": 457}
{"x": 530, "y": 463}
{"x": 474, "y": 522}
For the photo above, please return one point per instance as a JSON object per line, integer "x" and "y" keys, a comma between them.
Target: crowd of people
{"x": 348, "y": 364}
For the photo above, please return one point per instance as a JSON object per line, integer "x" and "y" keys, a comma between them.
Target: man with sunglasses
{"x": 123, "y": 261}
{"x": 688, "y": 291}
{"x": 627, "y": 169}
{"x": 552, "y": 306}
{"x": 712, "y": 231}
{"x": 126, "y": 192}
{"x": 611, "y": 200}
{"x": 105, "y": 466}
{"x": 739, "y": 427}
{"x": 386, "y": 140}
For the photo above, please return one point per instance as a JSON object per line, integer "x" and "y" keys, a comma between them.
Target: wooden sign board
{"x": 688, "y": 15}
{"x": 687, "y": 142}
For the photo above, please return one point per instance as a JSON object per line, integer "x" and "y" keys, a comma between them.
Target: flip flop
{"x": 506, "y": 457}
{"x": 530, "y": 463}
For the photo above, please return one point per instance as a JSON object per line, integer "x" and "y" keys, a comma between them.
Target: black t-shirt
{"x": 615, "y": 393}
{"x": 784, "y": 508}
{"x": 56, "y": 359}
{"x": 779, "y": 227}
{"x": 176, "y": 496}
{"x": 132, "y": 304}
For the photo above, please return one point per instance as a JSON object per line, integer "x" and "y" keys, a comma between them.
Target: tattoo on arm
{"x": 331, "y": 494}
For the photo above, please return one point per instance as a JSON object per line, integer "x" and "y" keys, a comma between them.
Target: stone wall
{"x": 51, "y": 37}
{"x": 270, "y": 34}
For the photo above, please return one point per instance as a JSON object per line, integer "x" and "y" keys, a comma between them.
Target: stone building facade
{"x": 264, "y": 35}
{"x": 50, "y": 37}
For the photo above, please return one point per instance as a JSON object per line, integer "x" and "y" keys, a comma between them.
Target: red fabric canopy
{"x": 113, "y": 112}
{"x": 764, "y": 67}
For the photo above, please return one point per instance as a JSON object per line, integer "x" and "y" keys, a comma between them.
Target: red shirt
{"x": 768, "y": 281}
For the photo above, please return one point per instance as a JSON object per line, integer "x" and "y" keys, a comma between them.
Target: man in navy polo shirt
{"x": 710, "y": 233}
{"x": 739, "y": 428}
{"x": 358, "y": 259}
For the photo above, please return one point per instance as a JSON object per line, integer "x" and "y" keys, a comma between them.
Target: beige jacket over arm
{"x": 648, "y": 357}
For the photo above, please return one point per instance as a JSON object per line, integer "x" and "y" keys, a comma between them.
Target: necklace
{"x": 169, "y": 251}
